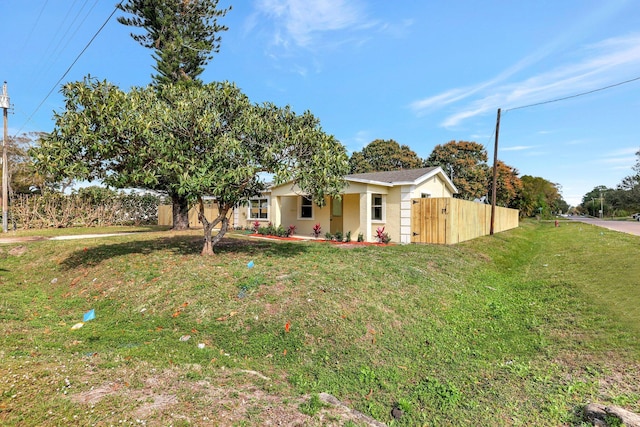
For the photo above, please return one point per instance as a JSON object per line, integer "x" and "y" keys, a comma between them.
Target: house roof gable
{"x": 395, "y": 178}
{"x": 401, "y": 177}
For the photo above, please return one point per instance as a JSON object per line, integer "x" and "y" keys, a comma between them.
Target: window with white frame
{"x": 259, "y": 208}
{"x": 377, "y": 208}
{"x": 425, "y": 195}
{"x": 306, "y": 207}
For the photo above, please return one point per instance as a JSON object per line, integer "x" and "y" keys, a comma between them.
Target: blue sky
{"x": 419, "y": 72}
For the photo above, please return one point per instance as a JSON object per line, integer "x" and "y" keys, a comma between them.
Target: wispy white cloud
{"x": 298, "y": 22}
{"x": 607, "y": 62}
{"x": 518, "y": 148}
{"x": 621, "y": 159}
{"x": 630, "y": 151}
{"x": 578, "y": 142}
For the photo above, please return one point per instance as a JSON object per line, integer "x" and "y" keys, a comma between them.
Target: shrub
{"x": 281, "y": 231}
{"x": 347, "y": 237}
{"x": 291, "y": 231}
{"x": 317, "y": 230}
{"x": 382, "y": 236}
{"x": 89, "y": 207}
{"x": 360, "y": 237}
{"x": 271, "y": 230}
{"x": 338, "y": 236}
{"x": 328, "y": 236}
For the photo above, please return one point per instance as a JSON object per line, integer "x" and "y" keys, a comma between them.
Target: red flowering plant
{"x": 382, "y": 236}
{"x": 317, "y": 230}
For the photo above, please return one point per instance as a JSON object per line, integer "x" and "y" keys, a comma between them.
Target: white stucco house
{"x": 369, "y": 201}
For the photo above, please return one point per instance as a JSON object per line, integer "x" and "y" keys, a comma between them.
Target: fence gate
{"x": 429, "y": 220}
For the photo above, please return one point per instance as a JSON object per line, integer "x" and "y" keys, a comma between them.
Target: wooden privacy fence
{"x": 449, "y": 221}
{"x": 165, "y": 215}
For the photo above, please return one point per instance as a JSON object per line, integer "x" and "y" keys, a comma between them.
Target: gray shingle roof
{"x": 402, "y": 175}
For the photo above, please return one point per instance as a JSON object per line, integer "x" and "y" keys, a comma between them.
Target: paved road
{"x": 630, "y": 227}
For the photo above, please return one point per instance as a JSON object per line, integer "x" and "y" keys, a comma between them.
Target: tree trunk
{"x": 207, "y": 249}
{"x": 180, "y": 212}
{"x": 210, "y": 242}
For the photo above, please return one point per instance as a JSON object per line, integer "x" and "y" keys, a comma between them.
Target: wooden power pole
{"x": 495, "y": 177}
{"x": 4, "y": 104}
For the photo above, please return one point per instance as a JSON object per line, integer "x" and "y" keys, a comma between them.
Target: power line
{"x": 70, "y": 66}
{"x": 574, "y": 96}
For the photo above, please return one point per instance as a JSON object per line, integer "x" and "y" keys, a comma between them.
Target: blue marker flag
{"x": 250, "y": 265}
{"x": 89, "y": 315}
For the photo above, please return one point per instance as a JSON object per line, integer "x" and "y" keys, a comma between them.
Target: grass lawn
{"x": 522, "y": 328}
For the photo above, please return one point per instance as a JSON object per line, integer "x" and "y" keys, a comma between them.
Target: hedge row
{"x": 82, "y": 210}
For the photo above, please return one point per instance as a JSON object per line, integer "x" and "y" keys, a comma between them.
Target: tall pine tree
{"x": 183, "y": 35}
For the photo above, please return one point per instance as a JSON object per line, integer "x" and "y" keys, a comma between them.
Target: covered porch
{"x": 360, "y": 209}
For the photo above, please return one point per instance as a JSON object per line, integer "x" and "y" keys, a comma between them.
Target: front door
{"x": 336, "y": 215}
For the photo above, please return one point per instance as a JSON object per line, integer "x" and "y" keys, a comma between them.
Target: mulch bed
{"x": 294, "y": 239}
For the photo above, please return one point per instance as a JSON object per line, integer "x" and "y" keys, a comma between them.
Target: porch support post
{"x": 365, "y": 216}
{"x": 276, "y": 211}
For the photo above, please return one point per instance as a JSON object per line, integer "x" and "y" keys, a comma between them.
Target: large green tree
{"x": 629, "y": 189}
{"x": 202, "y": 140}
{"x": 383, "y": 155}
{"x": 596, "y": 199}
{"x": 539, "y": 197}
{"x": 509, "y": 185}
{"x": 466, "y": 164}
{"x": 183, "y": 34}
{"x": 22, "y": 178}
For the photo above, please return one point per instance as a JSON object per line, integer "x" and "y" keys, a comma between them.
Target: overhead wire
{"x": 564, "y": 98}
{"x": 573, "y": 96}
{"x": 70, "y": 66}
{"x": 53, "y": 51}
{"x": 33, "y": 28}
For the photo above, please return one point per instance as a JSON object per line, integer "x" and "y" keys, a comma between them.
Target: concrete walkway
{"x": 7, "y": 240}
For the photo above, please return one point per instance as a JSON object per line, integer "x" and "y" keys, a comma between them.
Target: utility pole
{"x": 4, "y": 104}
{"x": 495, "y": 177}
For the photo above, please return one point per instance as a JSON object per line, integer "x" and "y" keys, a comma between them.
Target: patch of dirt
{"x": 21, "y": 239}
{"x": 616, "y": 377}
{"x": 224, "y": 398}
{"x": 18, "y": 250}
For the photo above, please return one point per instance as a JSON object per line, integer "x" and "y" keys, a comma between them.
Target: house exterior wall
{"x": 391, "y": 216}
{"x": 290, "y": 215}
{"x": 397, "y": 220}
{"x": 433, "y": 186}
{"x": 351, "y": 215}
{"x": 289, "y": 212}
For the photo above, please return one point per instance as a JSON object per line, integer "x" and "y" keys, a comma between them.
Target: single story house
{"x": 369, "y": 201}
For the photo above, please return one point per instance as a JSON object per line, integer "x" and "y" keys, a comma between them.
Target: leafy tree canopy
{"x": 22, "y": 178}
{"x": 629, "y": 196}
{"x": 466, "y": 164}
{"x": 182, "y": 34}
{"x": 539, "y": 196}
{"x": 189, "y": 142}
{"x": 383, "y": 155}
{"x": 509, "y": 185}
